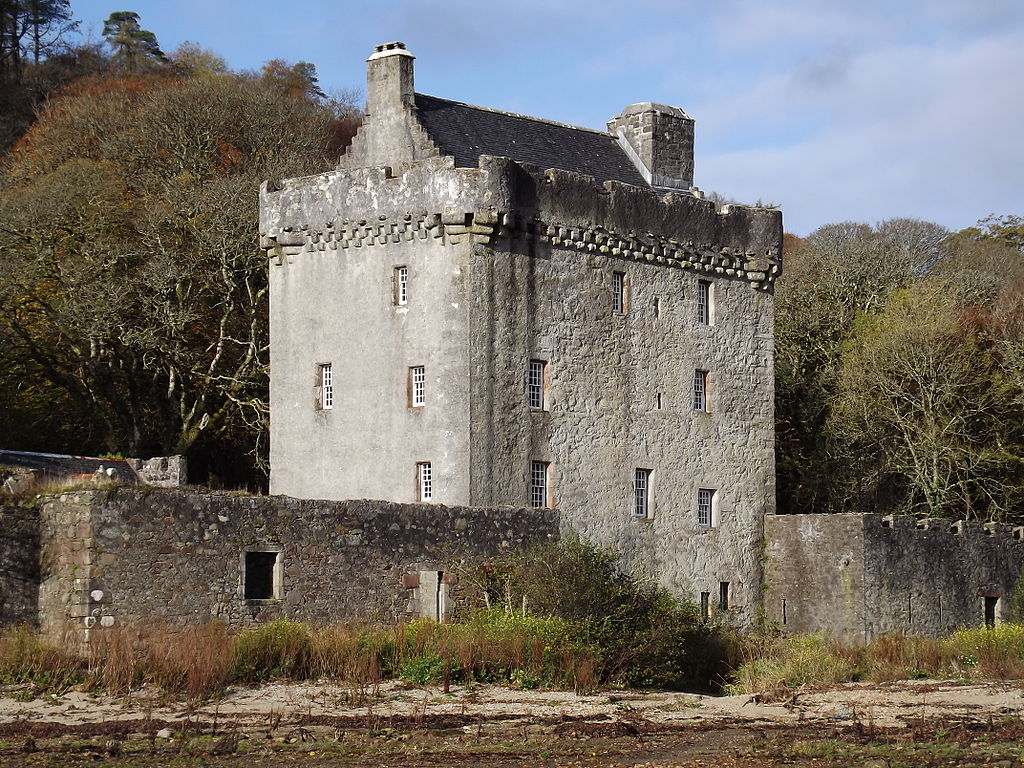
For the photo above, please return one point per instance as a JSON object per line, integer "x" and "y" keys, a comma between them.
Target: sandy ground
{"x": 400, "y": 726}
{"x": 287, "y": 705}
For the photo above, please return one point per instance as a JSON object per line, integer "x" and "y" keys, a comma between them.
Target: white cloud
{"x": 920, "y": 130}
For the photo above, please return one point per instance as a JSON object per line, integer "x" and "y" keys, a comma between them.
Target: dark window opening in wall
{"x": 785, "y": 615}
{"x": 910, "y": 610}
{"x": 938, "y": 605}
{"x": 991, "y": 604}
{"x": 705, "y": 606}
{"x": 657, "y": 306}
{"x": 723, "y": 596}
{"x": 259, "y": 575}
{"x": 657, "y": 401}
{"x": 620, "y": 293}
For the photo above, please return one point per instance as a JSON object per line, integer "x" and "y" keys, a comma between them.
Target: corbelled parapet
{"x": 502, "y": 199}
{"x": 659, "y": 141}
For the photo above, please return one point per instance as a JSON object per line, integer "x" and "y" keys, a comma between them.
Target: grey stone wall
{"x": 149, "y": 555}
{"x": 862, "y": 576}
{"x": 19, "y": 565}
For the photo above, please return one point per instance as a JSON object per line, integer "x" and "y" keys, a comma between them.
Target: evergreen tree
{"x": 134, "y": 48}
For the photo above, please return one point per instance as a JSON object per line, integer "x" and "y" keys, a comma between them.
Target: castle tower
{"x": 483, "y": 308}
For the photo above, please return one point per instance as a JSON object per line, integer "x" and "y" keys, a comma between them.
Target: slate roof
{"x": 466, "y": 132}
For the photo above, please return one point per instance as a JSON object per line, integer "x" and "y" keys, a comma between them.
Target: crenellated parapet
{"x": 556, "y": 208}
{"x": 999, "y": 533}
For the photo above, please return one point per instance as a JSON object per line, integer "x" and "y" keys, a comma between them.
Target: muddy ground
{"x": 904, "y": 724}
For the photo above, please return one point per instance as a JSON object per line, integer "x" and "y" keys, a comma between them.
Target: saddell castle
{"x": 488, "y": 330}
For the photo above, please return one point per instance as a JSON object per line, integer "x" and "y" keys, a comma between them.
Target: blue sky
{"x": 834, "y": 109}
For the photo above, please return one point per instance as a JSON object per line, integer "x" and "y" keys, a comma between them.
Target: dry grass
{"x": 773, "y": 664}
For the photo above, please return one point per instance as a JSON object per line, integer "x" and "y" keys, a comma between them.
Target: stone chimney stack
{"x": 659, "y": 141}
{"x": 389, "y": 80}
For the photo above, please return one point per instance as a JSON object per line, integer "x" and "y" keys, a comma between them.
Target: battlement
{"x": 555, "y": 207}
{"x": 932, "y": 526}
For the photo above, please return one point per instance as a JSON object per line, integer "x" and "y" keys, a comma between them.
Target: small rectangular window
{"x": 417, "y": 386}
{"x": 424, "y": 481}
{"x": 326, "y": 386}
{"x": 657, "y": 401}
{"x": 700, "y": 391}
{"x": 536, "y": 385}
{"x": 401, "y": 286}
{"x": 706, "y": 507}
{"x": 704, "y": 302}
{"x": 705, "y": 606}
{"x": 259, "y": 578}
{"x": 539, "y": 483}
{"x": 657, "y": 306}
{"x": 620, "y": 296}
{"x": 641, "y": 492}
{"x": 723, "y": 596}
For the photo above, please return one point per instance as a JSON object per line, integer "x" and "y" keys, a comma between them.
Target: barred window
{"x": 417, "y": 386}
{"x": 641, "y": 492}
{"x": 536, "y": 385}
{"x": 539, "y": 483}
{"x": 704, "y": 297}
{"x": 700, "y": 391}
{"x": 425, "y": 481}
{"x": 706, "y": 507}
{"x": 326, "y": 386}
{"x": 401, "y": 286}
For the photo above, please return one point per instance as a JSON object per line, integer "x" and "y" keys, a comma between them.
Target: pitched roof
{"x": 466, "y": 132}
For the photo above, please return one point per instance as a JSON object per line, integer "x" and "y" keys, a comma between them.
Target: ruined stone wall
{"x": 862, "y": 576}
{"x": 19, "y": 565}
{"x": 152, "y": 555}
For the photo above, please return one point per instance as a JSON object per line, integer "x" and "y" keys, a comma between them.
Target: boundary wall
{"x": 137, "y": 555}
{"x": 860, "y": 576}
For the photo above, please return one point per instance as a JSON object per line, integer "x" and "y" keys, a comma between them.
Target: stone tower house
{"x": 481, "y": 308}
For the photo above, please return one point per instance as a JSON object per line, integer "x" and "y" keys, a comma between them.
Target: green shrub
{"x": 630, "y": 632}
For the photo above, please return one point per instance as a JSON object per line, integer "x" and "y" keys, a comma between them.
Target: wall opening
{"x": 432, "y": 595}
{"x": 991, "y": 607}
{"x": 705, "y": 605}
{"x": 261, "y": 581}
{"x": 723, "y": 596}
{"x": 785, "y": 616}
